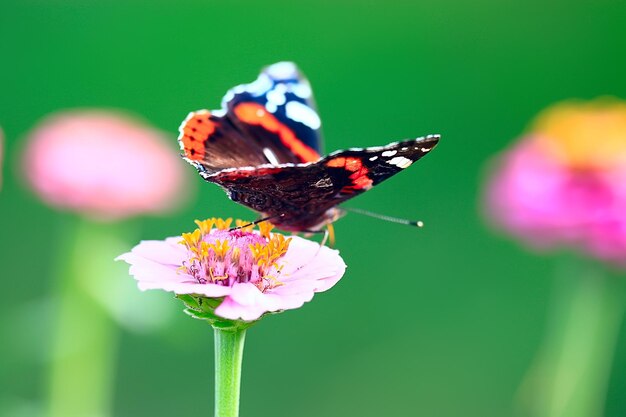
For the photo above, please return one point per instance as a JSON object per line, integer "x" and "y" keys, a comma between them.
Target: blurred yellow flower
{"x": 584, "y": 135}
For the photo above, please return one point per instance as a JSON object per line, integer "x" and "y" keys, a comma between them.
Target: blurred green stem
{"x": 228, "y": 358}
{"x": 85, "y": 337}
{"x": 571, "y": 375}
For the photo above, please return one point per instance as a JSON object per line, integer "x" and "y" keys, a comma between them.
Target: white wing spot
{"x": 425, "y": 149}
{"x": 400, "y": 162}
{"x": 282, "y": 70}
{"x": 323, "y": 183}
{"x": 373, "y": 158}
{"x": 277, "y": 97}
{"x": 270, "y": 156}
{"x": 257, "y": 87}
{"x": 389, "y": 153}
{"x": 303, "y": 114}
{"x": 302, "y": 90}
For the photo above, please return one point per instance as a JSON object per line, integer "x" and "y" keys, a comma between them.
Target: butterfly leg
{"x": 322, "y": 243}
{"x": 329, "y": 235}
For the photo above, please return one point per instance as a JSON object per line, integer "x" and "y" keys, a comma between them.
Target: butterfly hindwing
{"x": 213, "y": 143}
{"x": 269, "y": 121}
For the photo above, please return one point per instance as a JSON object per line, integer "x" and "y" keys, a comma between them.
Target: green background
{"x": 437, "y": 322}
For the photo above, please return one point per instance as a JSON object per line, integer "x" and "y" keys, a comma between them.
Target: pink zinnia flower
{"x": 102, "y": 164}
{"x": 564, "y": 184}
{"x": 254, "y": 272}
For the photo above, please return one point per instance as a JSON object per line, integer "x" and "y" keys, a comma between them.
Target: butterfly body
{"x": 263, "y": 148}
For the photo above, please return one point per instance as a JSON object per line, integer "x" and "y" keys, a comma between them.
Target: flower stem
{"x": 228, "y": 358}
{"x": 86, "y": 337}
{"x": 571, "y": 374}
{"x": 84, "y": 354}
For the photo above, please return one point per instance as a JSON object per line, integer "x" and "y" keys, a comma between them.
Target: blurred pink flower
{"x": 565, "y": 183}
{"x": 103, "y": 164}
{"x": 255, "y": 272}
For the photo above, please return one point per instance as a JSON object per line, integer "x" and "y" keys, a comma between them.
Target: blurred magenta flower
{"x": 255, "y": 272}
{"x": 564, "y": 183}
{"x": 103, "y": 164}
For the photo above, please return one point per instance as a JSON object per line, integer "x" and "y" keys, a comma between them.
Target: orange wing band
{"x": 359, "y": 176}
{"x": 256, "y": 114}
{"x": 195, "y": 131}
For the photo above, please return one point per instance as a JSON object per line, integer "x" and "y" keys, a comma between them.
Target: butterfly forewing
{"x": 300, "y": 195}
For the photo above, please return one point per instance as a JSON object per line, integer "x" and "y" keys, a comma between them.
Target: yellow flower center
{"x": 224, "y": 256}
{"x": 581, "y": 135}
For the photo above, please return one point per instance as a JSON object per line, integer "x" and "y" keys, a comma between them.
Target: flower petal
{"x": 230, "y": 309}
{"x": 307, "y": 268}
{"x": 167, "y": 251}
{"x": 307, "y": 261}
{"x": 246, "y": 294}
{"x": 151, "y": 274}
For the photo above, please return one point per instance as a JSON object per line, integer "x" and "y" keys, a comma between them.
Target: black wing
{"x": 300, "y": 195}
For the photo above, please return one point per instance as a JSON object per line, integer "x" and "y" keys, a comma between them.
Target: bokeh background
{"x": 443, "y": 321}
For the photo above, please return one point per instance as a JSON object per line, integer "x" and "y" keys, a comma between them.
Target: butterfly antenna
{"x": 257, "y": 221}
{"x": 415, "y": 223}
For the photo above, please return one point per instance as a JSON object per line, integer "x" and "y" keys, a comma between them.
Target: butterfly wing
{"x": 269, "y": 121}
{"x": 302, "y": 196}
{"x": 280, "y": 102}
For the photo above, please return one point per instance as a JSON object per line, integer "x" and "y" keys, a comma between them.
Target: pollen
{"x": 205, "y": 226}
{"x": 220, "y": 248}
{"x": 191, "y": 239}
{"x": 223, "y": 224}
{"x": 265, "y": 228}
{"x": 219, "y": 254}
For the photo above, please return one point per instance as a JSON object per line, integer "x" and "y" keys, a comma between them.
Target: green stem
{"x": 85, "y": 337}
{"x": 571, "y": 375}
{"x": 228, "y": 358}
{"x": 83, "y": 361}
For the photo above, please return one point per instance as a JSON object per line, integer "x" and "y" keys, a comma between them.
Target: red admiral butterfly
{"x": 263, "y": 147}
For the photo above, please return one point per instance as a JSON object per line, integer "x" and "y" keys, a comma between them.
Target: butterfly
{"x": 264, "y": 148}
